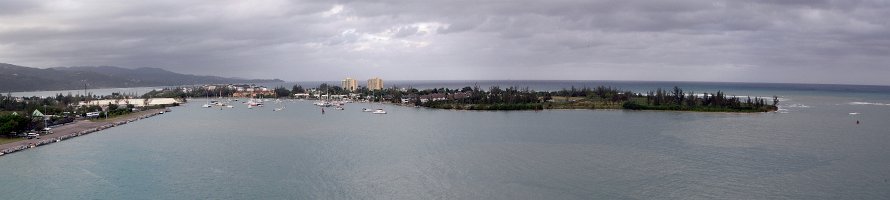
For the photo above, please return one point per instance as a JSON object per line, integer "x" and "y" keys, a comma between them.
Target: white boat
{"x": 367, "y": 110}
{"x": 206, "y": 106}
{"x": 322, "y": 103}
{"x": 379, "y": 111}
{"x": 339, "y": 108}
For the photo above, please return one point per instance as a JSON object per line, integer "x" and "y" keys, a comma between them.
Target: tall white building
{"x": 375, "y": 83}
{"x": 349, "y": 84}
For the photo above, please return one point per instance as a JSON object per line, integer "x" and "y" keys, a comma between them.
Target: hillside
{"x": 14, "y": 78}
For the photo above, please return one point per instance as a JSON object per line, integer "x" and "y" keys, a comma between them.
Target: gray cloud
{"x": 826, "y": 41}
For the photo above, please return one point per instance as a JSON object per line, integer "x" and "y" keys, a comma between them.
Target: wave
{"x": 868, "y": 103}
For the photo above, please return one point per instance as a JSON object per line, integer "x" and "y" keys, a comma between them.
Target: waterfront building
{"x": 375, "y": 83}
{"x": 134, "y": 102}
{"x": 349, "y": 84}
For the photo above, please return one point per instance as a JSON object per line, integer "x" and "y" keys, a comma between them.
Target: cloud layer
{"x": 823, "y": 41}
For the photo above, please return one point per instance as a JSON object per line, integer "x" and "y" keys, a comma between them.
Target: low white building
{"x": 134, "y": 102}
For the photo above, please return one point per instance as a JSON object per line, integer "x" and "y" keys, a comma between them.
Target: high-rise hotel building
{"x": 349, "y": 84}
{"x": 375, "y": 83}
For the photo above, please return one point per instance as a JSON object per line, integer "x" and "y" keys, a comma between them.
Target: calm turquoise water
{"x": 812, "y": 149}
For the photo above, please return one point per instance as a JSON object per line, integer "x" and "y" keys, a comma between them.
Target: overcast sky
{"x": 808, "y": 41}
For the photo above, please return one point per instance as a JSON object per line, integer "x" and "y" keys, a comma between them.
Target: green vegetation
{"x": 15, "y": 112}
{"x": 7, "y": 139}
{"x": 676, "y": 99}
{"x": 10, "y": 124}
{"x": 594, "y": 98}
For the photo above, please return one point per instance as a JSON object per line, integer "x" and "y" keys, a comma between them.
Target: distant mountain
{"x": 14, "y": 78}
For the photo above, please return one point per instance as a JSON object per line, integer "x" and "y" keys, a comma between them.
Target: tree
{"x": 298, "y": 89}
{"x": 281, "y": 92}
{"x": 13, "y": 123}
{"x": 466, "y": 89}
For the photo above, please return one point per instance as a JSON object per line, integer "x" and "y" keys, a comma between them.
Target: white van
{"x": 93, "y": 114}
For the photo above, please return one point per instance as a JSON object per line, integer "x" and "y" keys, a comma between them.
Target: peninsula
{"x": 601, "y": 97}
{"x": 496, "y": 98}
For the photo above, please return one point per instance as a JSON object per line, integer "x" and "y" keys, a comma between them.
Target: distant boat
{"x": 206, "y": 106}
{"x": 367, "y": 110}
{"x": 379, "y": 111}
{"x": 339, "y": 108}
{"x": 323, "y": 103}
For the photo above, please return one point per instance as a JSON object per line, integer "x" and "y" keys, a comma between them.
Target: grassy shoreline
{"x": 4, "y": 140}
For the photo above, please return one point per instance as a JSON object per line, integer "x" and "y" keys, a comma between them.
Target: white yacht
{"x": 379, "y": 111}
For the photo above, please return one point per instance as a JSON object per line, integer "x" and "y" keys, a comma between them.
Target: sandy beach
{"x": 74, "y": 129}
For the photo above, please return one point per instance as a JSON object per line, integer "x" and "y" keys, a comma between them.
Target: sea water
{"x": 811, "y": 149}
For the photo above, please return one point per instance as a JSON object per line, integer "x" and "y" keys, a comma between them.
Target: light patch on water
{"x": 868, "y": 103}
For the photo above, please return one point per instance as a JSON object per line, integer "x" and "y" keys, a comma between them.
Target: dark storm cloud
{"x": 701, "y": 40}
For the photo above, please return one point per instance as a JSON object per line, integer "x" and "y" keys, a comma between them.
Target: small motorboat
{"x": 379, "y": 111}
{"x": 367, "y": 110}
{"x": 206, "y": 106}
{"x": 338, "y": 108}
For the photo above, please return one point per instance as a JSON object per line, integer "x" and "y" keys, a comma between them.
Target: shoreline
{"x": 75, "y": 129}
{"x": 581, "y": 108}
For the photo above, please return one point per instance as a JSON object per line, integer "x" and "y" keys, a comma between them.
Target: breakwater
{"x": 78, "y": 131}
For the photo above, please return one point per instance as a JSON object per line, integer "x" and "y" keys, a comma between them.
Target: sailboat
{"x": 207, "y": 105}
